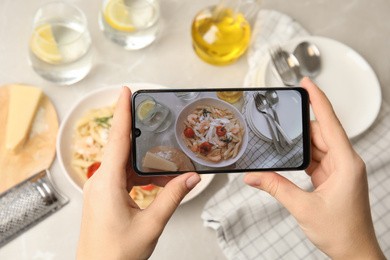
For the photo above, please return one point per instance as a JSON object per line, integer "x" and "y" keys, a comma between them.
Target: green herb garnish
{"x": 227, "y": 140}
{"x": 103, "y": 121}
{"x": 205, "y": 112}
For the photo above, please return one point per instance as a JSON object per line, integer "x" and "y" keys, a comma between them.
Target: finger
{"x": 332, "y": 131}
{"x": 318, "y": 177}
{"x": 316, "y": 137}
{"x": 312, "y": 167}
{"x": 118, "y": 147}
{"x": 286, "y": 192}
{"x": 316, "y": 154}
{"x": 135, "y": 180}
{"x": 170, "y": 197}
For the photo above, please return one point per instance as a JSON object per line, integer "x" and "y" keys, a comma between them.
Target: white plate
{"x": 254, "y": 129}
{"x": 346, "y": 78}
{"x": 289, "y": 113}
{"x": 97, "y": 99}
{"x": 187, "y": 110}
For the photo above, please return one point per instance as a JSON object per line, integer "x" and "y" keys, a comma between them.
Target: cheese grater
{"x": 28, "y": 203}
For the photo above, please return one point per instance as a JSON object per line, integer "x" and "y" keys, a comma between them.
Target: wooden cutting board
{"x": 38, "y": 152}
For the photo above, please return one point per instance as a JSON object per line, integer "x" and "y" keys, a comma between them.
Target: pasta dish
{"x": 144, "y": 195}
{"x": 90, "y": 137}
{"x": 213, "y": 133}
{"x": 89, "y": 140}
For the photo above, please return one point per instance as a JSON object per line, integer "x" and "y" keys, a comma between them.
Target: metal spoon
{"x": 265, "y": 105}
{"x": 309, "y": 58}
{"x": 273, "y": 99}
{"x": 260, "y": 106}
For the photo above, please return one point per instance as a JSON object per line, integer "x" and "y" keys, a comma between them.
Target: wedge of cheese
{"x": 23, "y": 104}
{"x": 156, "y": 162}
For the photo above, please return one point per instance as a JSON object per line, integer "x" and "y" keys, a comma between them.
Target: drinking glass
{"x": 60, "y": 44}
{"x": 132, "y": 24}
{"x": 187, "y": 95}
{"x": 151, "y": 115}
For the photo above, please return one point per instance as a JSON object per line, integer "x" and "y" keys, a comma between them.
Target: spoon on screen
{"x": 273, "y": 99}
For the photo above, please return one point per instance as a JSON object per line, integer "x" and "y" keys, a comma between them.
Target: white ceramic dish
{"x": 254, "y": 129}
{"x": 346, "y": 78}
{"x": 96, "y": 99}
{"x": 187, "y": 110}
{"x": 289, "y": 113}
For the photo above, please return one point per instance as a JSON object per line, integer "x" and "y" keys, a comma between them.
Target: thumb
{"x": 283, "y": 190}
{"x": 166, "y": 202}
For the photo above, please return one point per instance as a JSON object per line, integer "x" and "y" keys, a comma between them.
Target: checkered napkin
{"x": 249, "y": 223}
{"x": 262, "y": 154}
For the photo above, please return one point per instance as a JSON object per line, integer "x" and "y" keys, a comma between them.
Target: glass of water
{"x": 186, "y": 96}
{"x": 132, "y": 24}
{"x": 151, "y": 115}
{"x": 60, "y": 43}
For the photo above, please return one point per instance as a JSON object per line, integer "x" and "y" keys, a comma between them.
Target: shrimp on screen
{"x": 216, "y": 134}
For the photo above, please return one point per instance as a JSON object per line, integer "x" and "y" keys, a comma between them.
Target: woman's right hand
{"x": 336, "y": 216}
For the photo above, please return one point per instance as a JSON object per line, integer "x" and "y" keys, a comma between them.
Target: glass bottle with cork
{"x": 221, "y": 33}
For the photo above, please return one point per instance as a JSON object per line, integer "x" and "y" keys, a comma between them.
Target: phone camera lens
{"x": 137, "y": 132}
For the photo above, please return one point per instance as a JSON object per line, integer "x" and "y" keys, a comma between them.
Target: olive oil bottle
{"x": 220, "y": 34}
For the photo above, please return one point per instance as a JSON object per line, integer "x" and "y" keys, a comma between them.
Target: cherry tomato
{"x": 148, "y": 187}
{"x": 92, "y": 169}
{"x": 188, "y": 132}
{"x": 205, "y": 147}
{"x": 221, "y": 131}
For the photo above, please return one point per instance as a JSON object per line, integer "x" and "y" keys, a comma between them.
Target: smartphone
{"x": 220, "y": 130}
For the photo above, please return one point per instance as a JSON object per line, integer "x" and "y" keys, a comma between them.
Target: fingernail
{"x": 253, "y": 180}
{"x": 192, "y": 181}
{"x": 123, "y": 87}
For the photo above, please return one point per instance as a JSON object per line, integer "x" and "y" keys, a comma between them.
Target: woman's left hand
{"x": 113, "y": 226}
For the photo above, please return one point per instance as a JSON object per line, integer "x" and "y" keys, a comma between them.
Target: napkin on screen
{"x": 250, "y": 224}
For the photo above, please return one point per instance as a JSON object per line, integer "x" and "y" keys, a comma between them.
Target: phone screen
{"x": 220, "y": 130}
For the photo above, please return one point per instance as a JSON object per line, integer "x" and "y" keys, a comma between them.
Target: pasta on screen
{"x": 215, "y": 127}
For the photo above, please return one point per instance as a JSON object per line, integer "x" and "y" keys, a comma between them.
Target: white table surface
{"x": 170, "y": 61}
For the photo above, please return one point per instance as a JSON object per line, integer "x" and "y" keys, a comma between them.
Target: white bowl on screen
{"x": 179, "y": 129}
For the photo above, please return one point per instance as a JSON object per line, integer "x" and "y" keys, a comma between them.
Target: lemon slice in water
{"x": 43, "y": 44}
{"x": 118, "y": 16}
{"x": 144, "y": 109}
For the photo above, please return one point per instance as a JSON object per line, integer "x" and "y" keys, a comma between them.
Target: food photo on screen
{"x": 206, "y": 132}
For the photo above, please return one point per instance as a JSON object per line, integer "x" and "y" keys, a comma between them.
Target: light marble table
{"x": 170, "y": 61}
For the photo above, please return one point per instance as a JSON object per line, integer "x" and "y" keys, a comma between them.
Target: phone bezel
{"x": 305, "y": 130}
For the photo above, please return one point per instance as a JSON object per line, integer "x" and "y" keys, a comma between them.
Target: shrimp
{"x": 214, "y": 157}
{"x": 203, "y": 126}
{"x": 195, "y": 147}
{"x": 219, "y": 142}
{"x": 236, "y": 129}
{"x": 191, "y": 119}
{"x": 85, "y": 146}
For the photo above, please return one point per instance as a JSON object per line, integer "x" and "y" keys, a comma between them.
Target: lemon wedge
{"x": 118, "y": 16}
{"x": 43, "y": 44}
{"x": 144, "y": 109}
